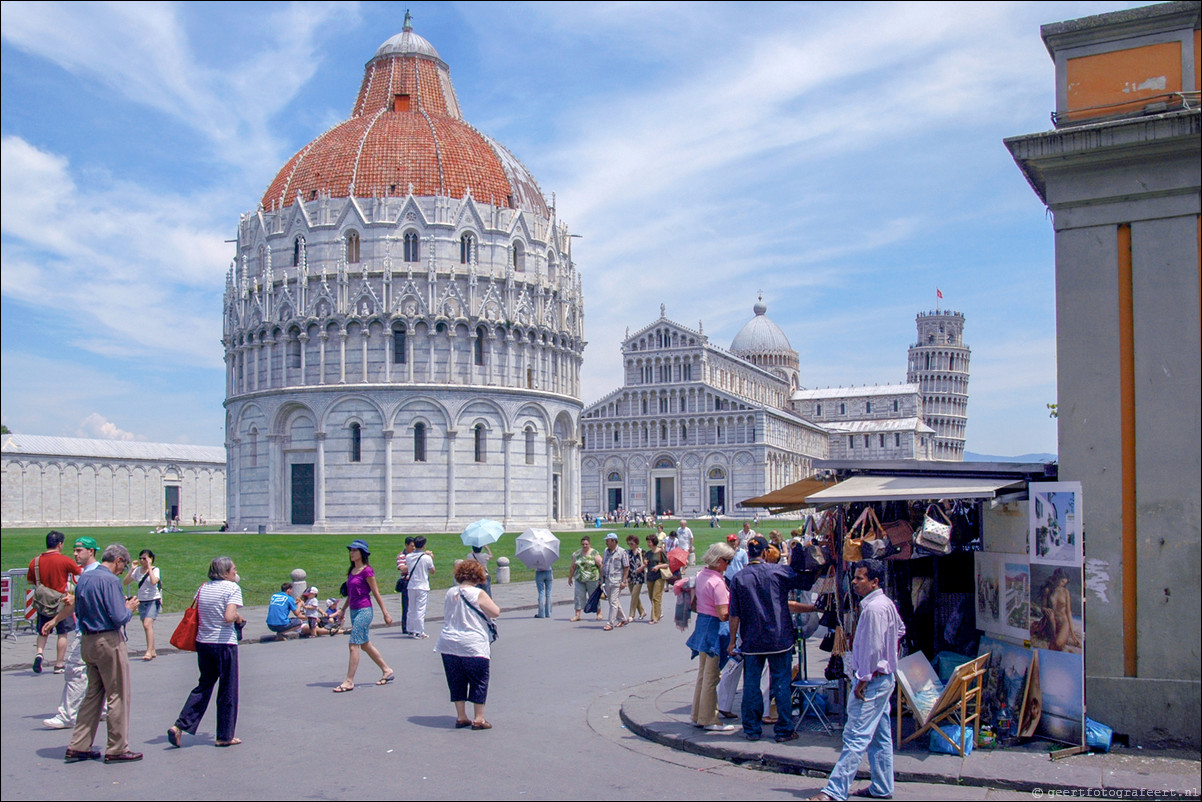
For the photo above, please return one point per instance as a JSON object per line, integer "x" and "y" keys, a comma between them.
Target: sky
{"x": 844, "y": 159}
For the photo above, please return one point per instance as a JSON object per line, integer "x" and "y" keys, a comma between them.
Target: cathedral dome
{"x": 760, "y": 336}
{"x": 406, "y": 132}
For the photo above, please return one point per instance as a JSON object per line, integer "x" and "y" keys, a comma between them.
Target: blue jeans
{"x": 542, "y": 580}
{"x": 780, "y": 676}
{"x": 867, "y": 730}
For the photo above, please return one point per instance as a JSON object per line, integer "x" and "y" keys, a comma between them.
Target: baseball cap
{"x": 732, "y": 538}
{"x": 87, "y": 543}
{"x": 756, "y": 546}
{"x": 311, "y": 590}
{"x": 612, "y": 536}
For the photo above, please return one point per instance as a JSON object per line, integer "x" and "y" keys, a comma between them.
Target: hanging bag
{"x": 865, "y": 539}
{"x": 184, "y": 636}
{"x": 936, "y": 532}
{"x": 493, "y": 634}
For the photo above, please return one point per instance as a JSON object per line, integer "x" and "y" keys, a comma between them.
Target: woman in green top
{"x": 586, "y": 573}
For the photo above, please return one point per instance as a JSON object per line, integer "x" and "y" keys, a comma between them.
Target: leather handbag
{"x": 901, "y": 539}
{"x": 184, "y": 636}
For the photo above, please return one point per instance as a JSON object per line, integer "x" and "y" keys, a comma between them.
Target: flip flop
{"x": 146, "y": 659}
{"x": 386, "y": 680}
{"x": 174, "y": 735}
{"x": 607, "y": 628}
{"x": 230, "y": 742}
{"x": 574, "y": 618}
{"x": 344, "y": 689}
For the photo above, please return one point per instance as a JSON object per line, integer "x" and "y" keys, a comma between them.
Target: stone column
{"x": 319, "y": 481}
{"x": 274, "y": 473}
{"x": 303, "y": 337}
{"x": 364, "y": 338}
{"x": 389, "y": 347}
{"x": 550, "y": 474}
{"x": 324, "y": 338}
{"x": 506, "y": 443}
{"x": 388, "y": 475}
{"x": 233, "y": 511}
{"x": 451, "y": 436}
{"x": 342, "y": 356}
{"x": 270, "y": 360}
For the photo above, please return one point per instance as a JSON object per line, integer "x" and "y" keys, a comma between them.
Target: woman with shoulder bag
{"x": 361, "y": 589}
{"x": 464, "y": 643}
{"x": 657, "y": 575}
{"x": 217, "y": 603}
{"x": 150, "y": 596}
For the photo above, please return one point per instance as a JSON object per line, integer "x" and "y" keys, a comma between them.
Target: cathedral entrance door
{"x": 302, "y": 493}
{"x": 717, "y": 497}
{"x": 665, "y": 494}
{"x": 615, "y": 499}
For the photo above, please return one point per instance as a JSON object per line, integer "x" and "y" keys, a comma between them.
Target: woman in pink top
{"x": 361, "y": 589}
{"x": 713, "y": 608}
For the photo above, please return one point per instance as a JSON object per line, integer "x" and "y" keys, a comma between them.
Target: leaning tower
{"x": 938, "y": 364}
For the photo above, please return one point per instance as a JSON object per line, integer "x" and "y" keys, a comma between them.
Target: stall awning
{"x": 909, "y": 488}
{"x": 790, "y": 497}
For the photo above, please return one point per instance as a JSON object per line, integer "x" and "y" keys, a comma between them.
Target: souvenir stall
{"x": 984, "y": 563}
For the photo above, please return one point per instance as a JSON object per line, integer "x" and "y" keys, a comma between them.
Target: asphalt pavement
{"x": 578, "y": 713}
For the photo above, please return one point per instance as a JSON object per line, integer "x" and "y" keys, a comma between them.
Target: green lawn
{"x": 265, "y": 561}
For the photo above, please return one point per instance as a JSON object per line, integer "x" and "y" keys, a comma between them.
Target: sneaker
{"x": 720, "y": 728}
{"x": 37, "y": 664}
{"x": 60, "y": 669}
{"x": 421, "y": 636}
{"x": 57, "y": 723}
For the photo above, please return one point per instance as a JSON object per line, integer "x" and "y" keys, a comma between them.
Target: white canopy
{"x": 905, "y": 488}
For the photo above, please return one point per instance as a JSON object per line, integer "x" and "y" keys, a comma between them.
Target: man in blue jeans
{"x": 761, "y": 626}
{"x": 873, "y": 664}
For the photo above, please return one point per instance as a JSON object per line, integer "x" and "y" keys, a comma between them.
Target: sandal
{"x": 483, "y": 725}
{"x": 460, "y": 723}
{"x": 607, "y": 628}
{"x": 230, "y": 742}
{"x": 574, "y": 618}
{"x": 344, "y": 689}
{"x": 388, "y": 679}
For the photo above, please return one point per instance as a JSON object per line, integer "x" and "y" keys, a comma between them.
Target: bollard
{"x": 502, "y": 570}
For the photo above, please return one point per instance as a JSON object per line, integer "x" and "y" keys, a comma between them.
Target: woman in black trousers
{"x": 217, "y": 602}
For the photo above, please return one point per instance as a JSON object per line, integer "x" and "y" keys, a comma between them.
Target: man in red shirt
{"x": 52, "y": 569}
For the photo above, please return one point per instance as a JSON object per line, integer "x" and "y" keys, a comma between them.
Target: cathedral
{"x": 403, "y": 326}
{"x": 696, "y": 427}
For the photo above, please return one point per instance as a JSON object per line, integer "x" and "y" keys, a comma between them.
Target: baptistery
{"x": 403, "y": 326}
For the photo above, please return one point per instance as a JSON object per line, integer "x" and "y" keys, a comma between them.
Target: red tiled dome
{"x": 406, "y": 129}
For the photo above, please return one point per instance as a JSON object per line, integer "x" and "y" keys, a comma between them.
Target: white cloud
{"x": 96, "y": 425}
{"x": 116, "y": 262}
{"x": 144, "y": 52}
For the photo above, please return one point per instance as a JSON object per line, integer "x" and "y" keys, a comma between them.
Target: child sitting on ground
{"x": 311, "y": 612}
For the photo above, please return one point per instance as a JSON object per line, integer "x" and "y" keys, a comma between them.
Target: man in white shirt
{"x": 684, "y": 540}
{"x": 419, "y": 564}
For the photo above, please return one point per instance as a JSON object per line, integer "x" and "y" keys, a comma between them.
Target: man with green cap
{"x": 76, "y": 674}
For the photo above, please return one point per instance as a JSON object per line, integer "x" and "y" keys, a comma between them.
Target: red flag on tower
{"x": 938, "y": 293}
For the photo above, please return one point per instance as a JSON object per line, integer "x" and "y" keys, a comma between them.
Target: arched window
{"x": 398, "y": 346}
{"x": 352, "y": 247}
{"x": 613, "y": 476}
{"x": 478, "y": 347}
{"x": 481, "y": 445}
{"x": 818, "y": 410}
{"x": 529, "y": 445}
{"x": 867, "y": 407}
{"x": 467, "y": 244}
{"x": 518, "y": 256}
{"x": 419, "y": 442}
{"x": 356, "y": 443}
{"x": 294, "y": 350}
{"x": 297, "y": 245}
{"x": 412, "y": 249}
{"x": 843, "y": 409}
